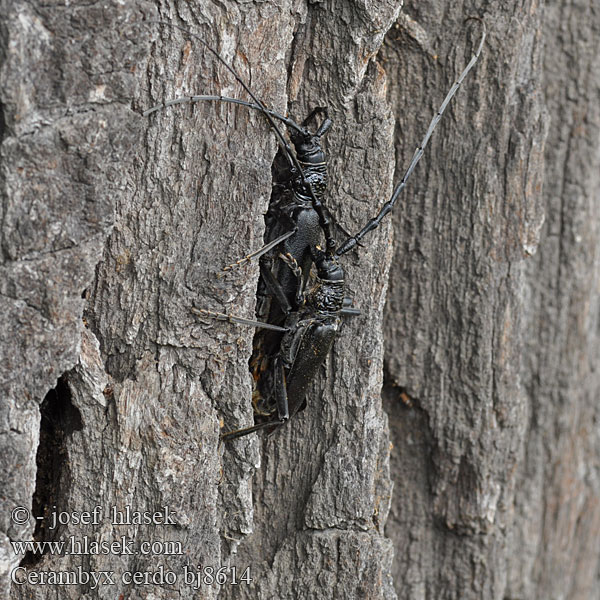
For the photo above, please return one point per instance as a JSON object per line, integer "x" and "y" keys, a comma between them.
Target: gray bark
{"x": 559, "y": 471}
{"x": 496, "y": 458}
{"x": 114, "y": 225}
{"x": 455, "y": 313}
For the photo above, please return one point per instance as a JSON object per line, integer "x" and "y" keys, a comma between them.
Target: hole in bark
{"x": 266, "y": 343}
{"x": 59, "y": 419}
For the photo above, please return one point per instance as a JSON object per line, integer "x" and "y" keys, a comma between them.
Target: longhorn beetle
{"x": 310, "y": 327}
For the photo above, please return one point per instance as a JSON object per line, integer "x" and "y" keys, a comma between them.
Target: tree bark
{"x": 454, "y": 319}
{"x": 114, "y": 225}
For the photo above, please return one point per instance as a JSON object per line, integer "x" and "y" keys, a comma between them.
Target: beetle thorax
{"x": 326, "y": 296}
{"x": 316, "y": 175}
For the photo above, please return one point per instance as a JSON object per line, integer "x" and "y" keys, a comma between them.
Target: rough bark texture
{"x": 455, "y": 311}
{"x": 490, "y": 331}
{"x": 65, "y": 129}
{"x": 557, "y": 505}
{"x": 491, "y": 370}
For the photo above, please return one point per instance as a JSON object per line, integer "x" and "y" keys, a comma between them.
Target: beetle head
{"x": 328, "y": 269}
{"x": 307, "y": 146}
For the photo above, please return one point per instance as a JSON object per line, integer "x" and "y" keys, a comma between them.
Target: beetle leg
{"x": 201, "y": 312}
{"x": 348, "y": 310}
{"x": 274, "y": 287}
{"x": 292, "y": 263}
{"x": 232, "y": 435}
{"x": 261, "y": 251}
{"x": 281, "y": 391}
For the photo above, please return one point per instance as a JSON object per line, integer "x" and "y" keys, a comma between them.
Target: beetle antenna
{"x": 199, "y": 98}
{"x": 324, "y": 219}
{"x": 387, "y": 207}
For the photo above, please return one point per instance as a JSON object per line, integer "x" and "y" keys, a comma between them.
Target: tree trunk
{"x": 114, "y": 225}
